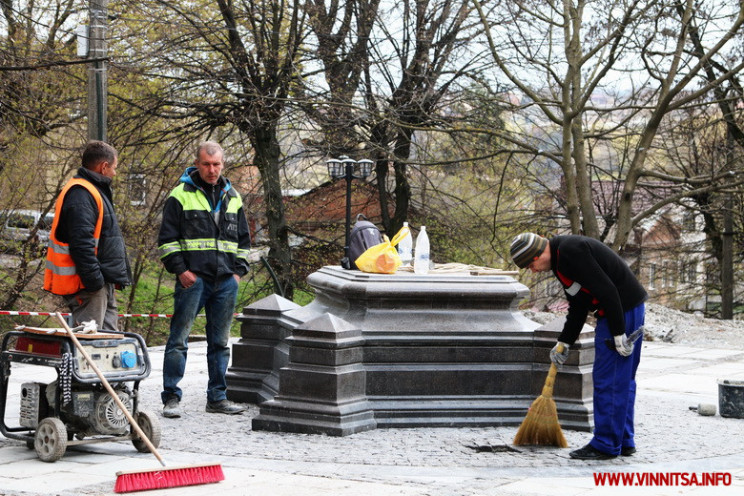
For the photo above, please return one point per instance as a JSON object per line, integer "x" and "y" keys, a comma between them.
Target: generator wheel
{"x": 50, "y": 441}
{"x": 150, "y": 425}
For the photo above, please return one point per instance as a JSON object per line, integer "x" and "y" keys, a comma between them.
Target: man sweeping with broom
{"x": 596, "y": 279}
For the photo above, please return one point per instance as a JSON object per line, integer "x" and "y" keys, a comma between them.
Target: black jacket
{"x": 211, "y": 218}
{"x": 594, "y": 278}
{"x": 76, "y": 226}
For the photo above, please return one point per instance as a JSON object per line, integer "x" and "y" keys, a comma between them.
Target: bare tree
{"x": 402, "y": 63}
{"x": 418, "y": 63}
{"x": 36, "y": 56}
{"x": 230, "y": 66}
{"x": 342, "y": 33}
{"x": 39, "y": 99}
{"x": 562, "y": 55}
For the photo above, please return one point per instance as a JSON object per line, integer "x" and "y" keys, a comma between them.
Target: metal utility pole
{"x": 727, "y": 265}
{"x": 727, "y": 239}
{"x": 97, "y": 75}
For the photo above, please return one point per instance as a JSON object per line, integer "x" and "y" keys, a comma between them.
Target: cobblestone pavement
{"x": 671, "y": 439}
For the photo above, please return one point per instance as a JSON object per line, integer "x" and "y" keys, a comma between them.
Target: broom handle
{"x": 550, "y": 380}
{"x": 110, "y": 390}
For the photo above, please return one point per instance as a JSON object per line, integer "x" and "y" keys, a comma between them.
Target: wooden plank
{"x": 63, "y": 333}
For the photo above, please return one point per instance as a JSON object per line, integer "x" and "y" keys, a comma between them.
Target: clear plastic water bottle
{"x": 405, "y": 248}
{"x": 421, "y": 259}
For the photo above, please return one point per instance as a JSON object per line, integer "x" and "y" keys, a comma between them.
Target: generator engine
{"x": 90, "y": 410}
{"x": 85, "y": 406}
{"x": 108, "y": 417}
{"x": 94, "y": 397}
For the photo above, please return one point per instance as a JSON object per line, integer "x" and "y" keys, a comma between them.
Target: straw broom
{"x": 540, "y": 426}
{"x": 155, "y": 478}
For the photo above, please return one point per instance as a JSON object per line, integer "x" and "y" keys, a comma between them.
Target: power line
{"x": 47, "y": 65}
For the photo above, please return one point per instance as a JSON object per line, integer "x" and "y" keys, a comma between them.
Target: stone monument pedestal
{"x": 442, "y": 349}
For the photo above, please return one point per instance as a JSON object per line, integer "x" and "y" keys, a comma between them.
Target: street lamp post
{"x": 349, "y": 169}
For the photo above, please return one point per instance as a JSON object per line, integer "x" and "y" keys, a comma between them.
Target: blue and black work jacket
{"x": 204, "y": 229}
{"x": 594, "y": 279}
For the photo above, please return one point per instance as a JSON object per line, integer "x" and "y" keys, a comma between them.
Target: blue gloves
{"x": 559, "y": 357}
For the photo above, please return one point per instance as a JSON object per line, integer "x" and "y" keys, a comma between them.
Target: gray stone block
{"x": 403, "y": 350}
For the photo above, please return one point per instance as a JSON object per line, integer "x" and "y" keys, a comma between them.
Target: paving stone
{"x": 414, "y": 461}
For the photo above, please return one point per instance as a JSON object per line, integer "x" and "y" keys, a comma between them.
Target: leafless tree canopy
{"x": 483, "y": 117}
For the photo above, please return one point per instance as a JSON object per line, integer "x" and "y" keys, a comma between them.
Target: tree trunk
{"x": 402, "y": 186}
{"x": 266, "y": 146}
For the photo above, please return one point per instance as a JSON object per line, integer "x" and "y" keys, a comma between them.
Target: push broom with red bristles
{"x": 143, "y": 480}
{"x": 540, "y": 426}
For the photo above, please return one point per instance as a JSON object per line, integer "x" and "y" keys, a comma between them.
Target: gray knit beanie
{"x": 526, "y": 247}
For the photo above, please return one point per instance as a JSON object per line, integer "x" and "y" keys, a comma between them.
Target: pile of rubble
{"x": 674, "y": 326}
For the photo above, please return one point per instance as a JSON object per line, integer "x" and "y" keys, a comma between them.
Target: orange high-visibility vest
{"x": 60, "y": 275}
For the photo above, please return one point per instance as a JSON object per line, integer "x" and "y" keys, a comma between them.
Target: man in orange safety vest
{"x": 86, "y": 257}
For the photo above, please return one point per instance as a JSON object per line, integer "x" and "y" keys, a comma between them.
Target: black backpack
{"x": 364, "y": 235}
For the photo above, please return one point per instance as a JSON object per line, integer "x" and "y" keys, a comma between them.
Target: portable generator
{"x": 74, "y": 408}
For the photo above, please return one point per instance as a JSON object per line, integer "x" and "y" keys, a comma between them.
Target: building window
{"x": 688, "y": 272}
{"x": 691, "y": 272}
{"x": 688, "y": 222}
{"x": 136, "y": 188}
{"x": 667, "y": 276}
{"x": 673, "y": 274}
{"x": 652, "y": 276}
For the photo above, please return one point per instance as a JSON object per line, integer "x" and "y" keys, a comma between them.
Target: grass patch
{"x": 153, "y": 294}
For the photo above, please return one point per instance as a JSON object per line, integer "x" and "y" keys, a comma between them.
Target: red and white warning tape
{"x": 11, "y": 312}
{"x": 153, "y": 315}
{"x": 157, "y": 315}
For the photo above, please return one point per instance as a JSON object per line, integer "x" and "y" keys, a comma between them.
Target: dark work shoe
{"x": 224, "y": 406}
{"x": 628, "y": 451}
{"x": 589, "y": 452}
{"x": 172, "y": 408}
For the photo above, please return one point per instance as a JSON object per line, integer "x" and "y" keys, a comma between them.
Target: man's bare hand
{"x": 187, "y": 279}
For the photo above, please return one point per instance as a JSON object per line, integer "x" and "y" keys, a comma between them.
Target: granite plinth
{"x": 442, "y": 349}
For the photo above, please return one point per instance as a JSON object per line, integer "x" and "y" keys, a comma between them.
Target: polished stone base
{"x": 403, "y": 350}
{"x": 321, "y": 391}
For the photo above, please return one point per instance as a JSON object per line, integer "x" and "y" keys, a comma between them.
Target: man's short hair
{"x": 211, "y": 148}
{"x": 96, "y": 152}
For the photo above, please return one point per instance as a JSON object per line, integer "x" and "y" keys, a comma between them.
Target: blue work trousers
{"x": 218, "y": 300}
{"x": 615, "y": 386}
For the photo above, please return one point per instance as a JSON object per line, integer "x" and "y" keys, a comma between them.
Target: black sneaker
{"x": 172, "y": 408}
{"x": 589, "y": 452}
{"x": 628, "y": 451}
{"x": 224, "y": 406}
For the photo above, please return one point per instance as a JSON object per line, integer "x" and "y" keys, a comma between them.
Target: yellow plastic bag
{"x": 382, "y": 258}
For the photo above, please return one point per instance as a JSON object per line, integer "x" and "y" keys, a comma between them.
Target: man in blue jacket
{"x": 596, "y": 279}
{"x": 204, "y": 240}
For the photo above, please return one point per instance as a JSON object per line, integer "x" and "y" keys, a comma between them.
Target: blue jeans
{"x": 218, "y": 300}
{"x": 615, "y": 387}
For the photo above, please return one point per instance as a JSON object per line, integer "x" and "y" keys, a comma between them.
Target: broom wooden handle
{"x": 110, "y": 390}
{"x": 550, "y": 380}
